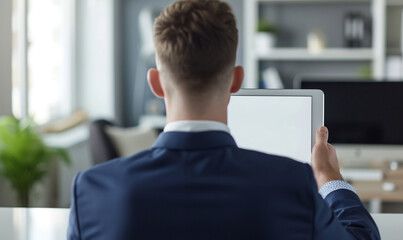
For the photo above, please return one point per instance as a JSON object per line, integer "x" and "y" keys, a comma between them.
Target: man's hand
{"x": 324, "y": 159}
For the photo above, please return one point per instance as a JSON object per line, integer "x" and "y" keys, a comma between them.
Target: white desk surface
{"x": 51, "y": 224}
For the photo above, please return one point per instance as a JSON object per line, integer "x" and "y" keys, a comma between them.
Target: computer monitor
{"x": 365, "y": 118}
{"x": 280, "y": 122}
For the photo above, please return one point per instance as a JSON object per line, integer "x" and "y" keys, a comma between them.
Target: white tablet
{"x": 280, "y": 122}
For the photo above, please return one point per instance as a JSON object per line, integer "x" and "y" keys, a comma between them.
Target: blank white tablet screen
{"x": 279, "y": 125}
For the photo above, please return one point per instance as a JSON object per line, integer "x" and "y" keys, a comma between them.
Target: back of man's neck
{"x": 187, "y": 109}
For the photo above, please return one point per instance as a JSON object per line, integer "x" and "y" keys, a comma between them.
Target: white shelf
{"x": 302, "y": 54}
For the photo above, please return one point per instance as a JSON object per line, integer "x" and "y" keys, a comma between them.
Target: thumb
{"x": 322, "y": 135}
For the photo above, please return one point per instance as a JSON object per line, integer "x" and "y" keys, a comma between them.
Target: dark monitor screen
{"x": 362, "y": 112}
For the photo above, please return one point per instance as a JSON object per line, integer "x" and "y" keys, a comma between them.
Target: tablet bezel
{"x": 317, "y": 96}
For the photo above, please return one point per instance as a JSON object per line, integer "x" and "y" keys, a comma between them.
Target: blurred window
{"x": 43, "y": 53}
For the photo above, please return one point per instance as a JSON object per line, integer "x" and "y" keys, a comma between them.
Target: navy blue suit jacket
{"x": 202, "y": 186}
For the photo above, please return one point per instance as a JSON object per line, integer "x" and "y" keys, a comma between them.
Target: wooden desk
{"x": 51, "y": 224}
{"x": 374, "y": 190}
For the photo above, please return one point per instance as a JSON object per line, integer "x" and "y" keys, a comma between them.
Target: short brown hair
{"x": 197, "y": 40}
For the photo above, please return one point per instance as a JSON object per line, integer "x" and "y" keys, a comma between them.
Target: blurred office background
{"x": 69, "y": 63}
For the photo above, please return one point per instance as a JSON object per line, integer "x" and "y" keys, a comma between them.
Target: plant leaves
{"x": 24, "y": 158}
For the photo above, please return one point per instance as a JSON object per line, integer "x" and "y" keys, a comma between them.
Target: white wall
{"x": 5, "y": 56}
{"x": 95, "y": 57}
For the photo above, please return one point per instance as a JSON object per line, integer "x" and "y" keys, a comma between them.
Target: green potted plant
{"x": 265, "y": 36}
{"x": 24, "y": 157}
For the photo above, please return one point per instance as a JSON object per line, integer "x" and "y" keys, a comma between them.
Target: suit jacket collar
{"x": 194, "y": 140}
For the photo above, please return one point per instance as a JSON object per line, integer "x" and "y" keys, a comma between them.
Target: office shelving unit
{"x": 302, "y": 54}
{"x": 254, "y": 60}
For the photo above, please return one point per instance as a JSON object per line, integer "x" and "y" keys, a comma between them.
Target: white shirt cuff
{"x": 332, "y": 186}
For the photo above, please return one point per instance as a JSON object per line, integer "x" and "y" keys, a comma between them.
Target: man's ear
{"x": 237, "y": 80}
{"x": 155, "y": 83}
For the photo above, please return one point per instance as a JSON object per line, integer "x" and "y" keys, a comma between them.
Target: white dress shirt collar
{"x": 196, "y": 126}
